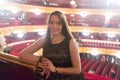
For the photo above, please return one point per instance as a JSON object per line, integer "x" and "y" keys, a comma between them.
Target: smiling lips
{"x": 54, "y": 31}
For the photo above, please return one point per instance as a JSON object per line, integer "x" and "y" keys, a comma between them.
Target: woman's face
{"x": 55, "y": 25}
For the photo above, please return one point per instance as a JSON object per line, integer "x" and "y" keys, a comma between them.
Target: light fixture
{"x": 84, "y": 14}
{"x": 72, "y": 2}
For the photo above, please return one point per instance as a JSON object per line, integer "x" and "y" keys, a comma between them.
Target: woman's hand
{"x": 48, "y": 65}
{"x": 44, "y": 72}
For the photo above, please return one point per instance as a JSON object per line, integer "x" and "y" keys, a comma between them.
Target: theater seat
{"x": 100, "y": 68}
{"x": 84, "y": 62}
{"x": 113, "y": 70}
{"x": 88, "y": 65}
{"x": 106, "y": 69}
{"x": 94, "y": 66}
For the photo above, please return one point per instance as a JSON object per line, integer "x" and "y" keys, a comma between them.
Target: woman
{"x": 61, "y": 60}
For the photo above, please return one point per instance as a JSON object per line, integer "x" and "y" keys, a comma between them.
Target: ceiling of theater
{"x": 78, "y": 4}
{"x": 94, "y": 4}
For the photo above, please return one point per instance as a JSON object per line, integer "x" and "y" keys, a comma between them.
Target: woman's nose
{"x": 55, "y": 25}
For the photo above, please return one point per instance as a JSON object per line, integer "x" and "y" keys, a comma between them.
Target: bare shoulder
{"x": 72, "y": 41}
{"x": 73, "y": 44}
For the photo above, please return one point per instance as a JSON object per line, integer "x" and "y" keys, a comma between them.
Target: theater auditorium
{"x": 95, "y": 25}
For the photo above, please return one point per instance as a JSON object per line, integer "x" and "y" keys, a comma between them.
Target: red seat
{"x": 94, "y": 66}
{"x": 100, "y": 68}
{"x": 113, "y": 71}
{"x": 106, "y": 69}
{"x": 88, "y": 65}
{"x": 85, "y": 61}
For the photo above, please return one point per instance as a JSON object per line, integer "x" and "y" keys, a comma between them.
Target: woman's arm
{"x": 26, "y": 55}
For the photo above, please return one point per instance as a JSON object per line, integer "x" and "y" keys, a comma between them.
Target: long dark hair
{"x": 65, "y": 30}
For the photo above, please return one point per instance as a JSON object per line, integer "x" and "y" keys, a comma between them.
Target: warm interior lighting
{"x": 72, "y": 2}
{"x": 83, "y": 14}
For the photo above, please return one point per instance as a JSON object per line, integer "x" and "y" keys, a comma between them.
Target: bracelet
{"x": 56, "y": 71}
{"x": 38, "y": 70}
{"x": 40, "y": 59}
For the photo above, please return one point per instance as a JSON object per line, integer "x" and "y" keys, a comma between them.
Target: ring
{"x": 46, "y": 64}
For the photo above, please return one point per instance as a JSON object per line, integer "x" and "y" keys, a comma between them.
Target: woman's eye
{"x": 58, "y": 23}
{"x": 51, "y": 23}
{"x": 55, "y": 23}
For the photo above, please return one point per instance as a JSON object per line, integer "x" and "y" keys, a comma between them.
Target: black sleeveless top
{"x": 59, "y": 54}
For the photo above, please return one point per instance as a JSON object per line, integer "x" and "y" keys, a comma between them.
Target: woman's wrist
{"x": 38, "y": 63}
{"x": 56, "y": 70}
{"x": 40, "y": 59}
